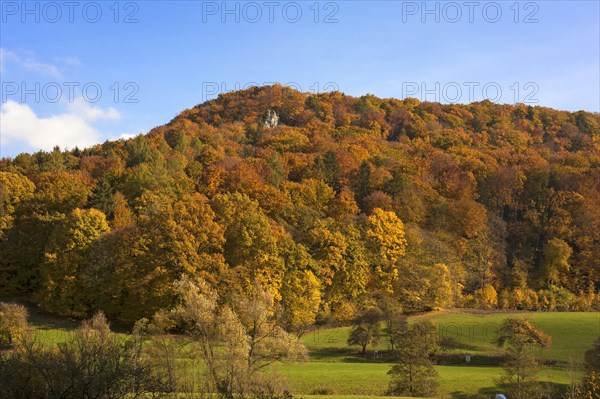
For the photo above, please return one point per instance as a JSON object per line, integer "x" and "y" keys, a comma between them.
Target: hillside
{"x": 330, "y": 202}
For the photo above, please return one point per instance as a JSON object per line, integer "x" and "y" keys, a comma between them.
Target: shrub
{"x": 525, "y": 299}
{"x": 13, "y": 323}
{"x": 487, "y": 297}
{"x": 547, "y": 300}
{"x": 504, "y": 300}
{"x": 580, "y": 304}
{"x": 565, "y": 300}
{"x": 96, "y": 363}
{"x": 596, "y": 303}
{"x": 323, "y": 391}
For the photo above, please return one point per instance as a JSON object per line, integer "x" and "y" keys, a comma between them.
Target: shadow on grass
{"x": 554, "y": 390}
{"x": 458, "y": 359}
{"x": 483, "y": 393}
{"x": 349, "y": 355}
{"x": 44, "y": 321}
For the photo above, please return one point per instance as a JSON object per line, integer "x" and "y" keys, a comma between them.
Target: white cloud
{"x": 126, "y": 136}
{"x": 28, "y": 63}
{"x": 19, "y": 123}
{"x": 85, "y": 110}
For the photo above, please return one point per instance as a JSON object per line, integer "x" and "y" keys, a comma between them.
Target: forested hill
{"x": 331, "y": 202}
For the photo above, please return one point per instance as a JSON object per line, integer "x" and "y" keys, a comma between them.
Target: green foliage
{"x": 366, "y": 330}
{"x": 414, "y": 375}
{"x": 592, "y": 356}
{"x": 522, "y": 365}
{"x": 334, "y": 368}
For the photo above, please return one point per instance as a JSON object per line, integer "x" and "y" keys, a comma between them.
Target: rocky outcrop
{"x": 271, "y": 119}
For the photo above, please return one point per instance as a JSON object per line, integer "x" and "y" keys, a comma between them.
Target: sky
{"x": 76, "y": 73}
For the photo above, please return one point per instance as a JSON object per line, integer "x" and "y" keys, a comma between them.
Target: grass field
{"x": 341, "y": 372}
{"x": 572, "y": 333}
{"x": 372, "y": 378}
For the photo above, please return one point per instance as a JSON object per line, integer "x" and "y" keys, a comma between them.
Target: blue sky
{"x": 77, "y": 73}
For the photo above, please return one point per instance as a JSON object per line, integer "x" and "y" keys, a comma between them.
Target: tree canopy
{"x": 345, "y": 200}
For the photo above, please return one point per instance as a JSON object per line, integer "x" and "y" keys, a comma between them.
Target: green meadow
{"x": 338, "y": 371}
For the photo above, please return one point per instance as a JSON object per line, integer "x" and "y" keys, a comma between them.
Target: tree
{"x": 487, "y": 297}
{"x": 522, "y": 365}
{"x": 301, "y": 298}
{"x": 327, "y": 246}
{"x": 56, "y": 195}
{"x": 414, "y": 375}
{"x": 135, "y": 266}
{"x": 385, "y": 239}
{"x": 424, "y": 287}
{"x": 378, "y": 199}
{"x": 328, "y": 170}
{"x": 366, "y": 330}
{"x": 590, "y": 386}
{"x": 352, "y": 274}
{"x": 235, "y": 341}
{"x": 363, "y": 181}
{"x": 14, "y": 189}
{"x": 102, "y": 198}
{"x": 64, "y": 287}
{"x": 122, "y": 214}
{"x": 482, "y": 190}
{"x": 13, "y": 324}
{"x": 556, "y": 261}
{"x": 517, "y": 333}
{"x": 60, "y": 192}
{"x": 395, "y": 320}
{"x": 251, "y": 245}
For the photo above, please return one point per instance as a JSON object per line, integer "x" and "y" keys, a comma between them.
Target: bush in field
{"x": 13, "y": 324}
{"x": 590, "y": 386}
{"x": 95, "y": 364}
{"x": 414, "y": 375}
{"x": 522, "y": 366}
{"x": 366, "y": 330}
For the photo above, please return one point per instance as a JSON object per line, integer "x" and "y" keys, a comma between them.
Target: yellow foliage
{"x": 487, "y": 296}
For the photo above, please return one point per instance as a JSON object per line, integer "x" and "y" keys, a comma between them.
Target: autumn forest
{"x": 331, "y": 203}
